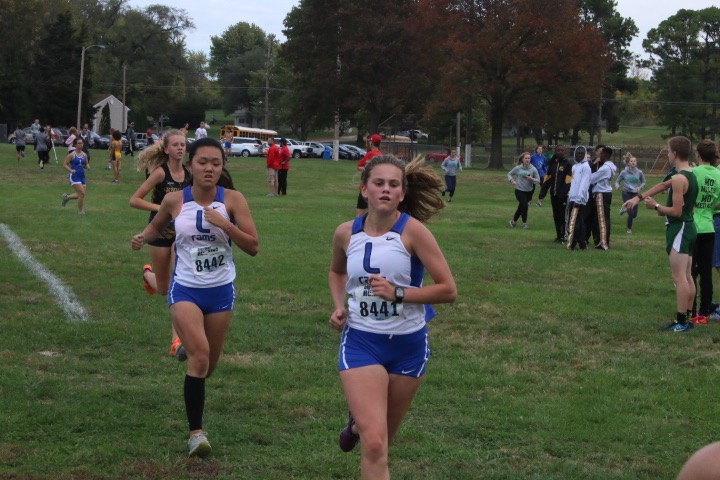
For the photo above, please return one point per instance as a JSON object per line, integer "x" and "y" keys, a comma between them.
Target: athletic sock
{"x": 681, "y": 318}
{"x": 194, "y": 391}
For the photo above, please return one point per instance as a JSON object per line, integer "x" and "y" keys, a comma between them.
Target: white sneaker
{"x": 629, "y": 231}
{"x": 512, "y": 224}
{"x": 198, "y": 445}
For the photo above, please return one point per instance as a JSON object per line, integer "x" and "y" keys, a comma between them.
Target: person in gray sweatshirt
{"x": 602, "y": 187}
{"x": 524, "y": 177}
{"x": 633, "y": 180}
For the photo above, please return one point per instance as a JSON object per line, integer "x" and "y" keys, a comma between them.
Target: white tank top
{"x": 203, "y": 251}
{"x": 385, "y": 256}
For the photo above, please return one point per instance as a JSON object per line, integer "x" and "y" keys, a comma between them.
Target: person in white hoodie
{"x": 601, "y": 182}
{"x": 578, "y": 199}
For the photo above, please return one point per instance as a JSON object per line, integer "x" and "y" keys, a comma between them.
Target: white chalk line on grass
{"x": 64, "y": 296}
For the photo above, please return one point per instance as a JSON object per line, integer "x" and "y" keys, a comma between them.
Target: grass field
{"x": 548, "y": 366}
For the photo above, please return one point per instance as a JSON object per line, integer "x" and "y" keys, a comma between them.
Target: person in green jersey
{"x": 708, "y": 178}
{"x": 681, "y": 232}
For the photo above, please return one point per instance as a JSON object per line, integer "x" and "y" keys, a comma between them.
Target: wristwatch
{"x": 657, "y": 206}
{"x": 399, "y": 294}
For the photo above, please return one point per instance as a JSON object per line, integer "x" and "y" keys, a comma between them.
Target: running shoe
{"x": 181, "y": 353}
{"x": 526, "y": 226}
{"x": 714, "y": 317}
{"x": 699, "y": 320}
{"x": 348, "y": 439}
{"x": 198, "y": 445}
{"x": 512, "y": 224}
{"x": 65, "y": 199}
{"x": 177, "y": 349}
{"x": 538, "y": 203}
{"x": 150, "y": 290}
{"x": 678, "y": 327}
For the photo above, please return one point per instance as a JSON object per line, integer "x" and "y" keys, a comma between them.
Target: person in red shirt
{"x": 374, "y": 151}
{"x": 283, "y": 167}
{"x": 272, "y": 162}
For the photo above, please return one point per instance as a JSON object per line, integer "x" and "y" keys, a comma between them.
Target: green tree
{"x": 685, "y": 58}
{"x": 618, "y": 32}
{"x": 354, "y": 58}
{"x": 21, "y": 24}
{"x": 105, "y": 120}
{"x": 239, "y": 51}
{"x": 58, "y": 72}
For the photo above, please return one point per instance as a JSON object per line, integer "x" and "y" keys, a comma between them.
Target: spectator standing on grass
{"x": 450, "y": 166}
{"x": 19, "y": 142}
{"x": 272, "y": 163}
{"x": 184, "y": 129}
{"x": 283, "y": 167}
{"x": 200, "y": 132}
{"x": 87, "y": 139}
{"x": 375, "y": 140}
{"x": 70, "y": 140}
{"x": 633, "y": 180}
{"x": 708, "y": 179}
{"x": 578, "y": 198}
{"x": 150, "y": 139}
{"x": 681, "y": 233}
{"x": 36, "y": 128}
{"x": 130, "y": 136}
{"x": 601, "y": 183}
{"x": 557, "y": 181}
{"x": 163, "y": 166}
{"x": 208, "y": 220}
{"x": 43, "y": 144}
{"x": 378, "y": 261}
{"x": 524, "y": 177}
{"x": 540, "y": 163}
{"x": 76, "y": 163}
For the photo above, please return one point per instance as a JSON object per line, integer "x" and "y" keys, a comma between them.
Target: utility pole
{"x": 124, "y": 120}
{"x": 268, "y": 67}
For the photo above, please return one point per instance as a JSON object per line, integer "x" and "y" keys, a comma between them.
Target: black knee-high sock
{"x": 194, "y": 392}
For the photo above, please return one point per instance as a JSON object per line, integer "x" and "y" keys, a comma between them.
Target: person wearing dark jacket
{"x": 557, "y": 181}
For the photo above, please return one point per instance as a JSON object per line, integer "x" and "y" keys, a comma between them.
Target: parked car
{"x": 413, "y": 134}
{"x": 359, "y": 151}
{"x": 98, "y": 142}
{"x": 29, "y": 137}
{"x": 438, "y": 156}
{"x": 246, "y": 147}
{"x": 265, "y": 147}
{"x": 345, "y": 153}
{"x": 108, "y": 139}
{"x": 316, "y": 149}
{"x": 58, "y": 137}
{"x": 297, "y": 149}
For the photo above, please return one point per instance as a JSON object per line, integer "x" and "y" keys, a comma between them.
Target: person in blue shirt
{"x": 540, "y": 163}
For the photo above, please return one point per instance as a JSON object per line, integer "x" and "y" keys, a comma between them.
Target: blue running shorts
{"x": 209, "y": 300}
{"x": 399, "y": 354}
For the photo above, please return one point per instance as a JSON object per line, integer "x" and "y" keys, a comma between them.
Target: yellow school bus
{"x": 259, "y": 133}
